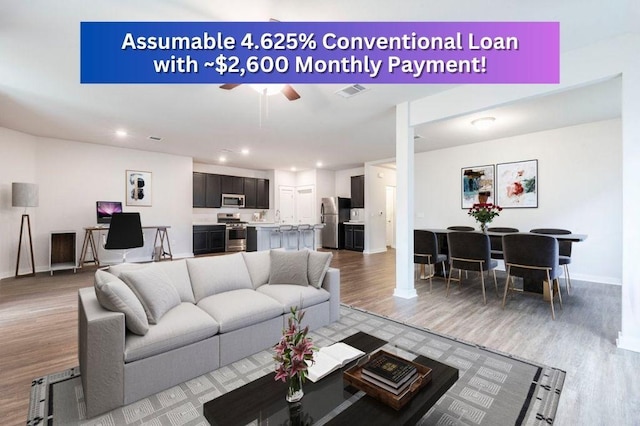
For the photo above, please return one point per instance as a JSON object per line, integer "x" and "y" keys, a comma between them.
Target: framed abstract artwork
{"x": 477, "y": 185}
{"x": 517, "y": 184}
{"x": 138, "y": 188}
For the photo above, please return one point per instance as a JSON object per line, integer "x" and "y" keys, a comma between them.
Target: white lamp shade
{"x": 24, "y": 194}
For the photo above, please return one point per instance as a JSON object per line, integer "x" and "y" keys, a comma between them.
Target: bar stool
{"x": 286, "y": 232}
{"x": 276, "y": 235}
{"x": 316, "y": 228}
{"x": 306, "y": 232}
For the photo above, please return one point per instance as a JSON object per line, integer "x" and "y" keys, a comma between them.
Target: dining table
{"x": 532, "y": 286}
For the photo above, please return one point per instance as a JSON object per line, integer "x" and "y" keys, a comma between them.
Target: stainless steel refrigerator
{"x": 334, "y": 211}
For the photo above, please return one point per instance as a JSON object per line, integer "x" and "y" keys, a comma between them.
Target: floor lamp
{"x": 24, "y": 195}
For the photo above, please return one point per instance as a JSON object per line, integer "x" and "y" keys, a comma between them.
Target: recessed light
{"x": 245, "y": 151}
{"x": 222, "y": 158}
{"x": 483, "y": 122}
{"x": 293, "y": 169}
{"x": 121, "y": 133}
{"x": 319, "y": 164}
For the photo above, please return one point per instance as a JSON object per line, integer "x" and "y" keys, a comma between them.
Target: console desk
{"x": 162, "y": 234}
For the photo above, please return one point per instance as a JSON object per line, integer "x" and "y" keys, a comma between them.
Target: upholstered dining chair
{"x": 471, "y": 251}
{"x": 533, "y": 257}
{"x": 461, "y": 228}
{"x": 425, "y": 252}
{"x": 564, "y": 250}
{"x": 125, "y": 233}
{"x": 496, "y": 240}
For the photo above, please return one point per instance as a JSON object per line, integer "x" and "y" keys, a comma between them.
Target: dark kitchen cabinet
{"x": 209, "y": 239}
{"x": 357, "y": 192}
{"x": 262, "y": 193}
{"x": 354, "y": 237}
{"x": 214, "y": 193}
{"x": 250, "y": 194}
{"x": 232, "y": 184}
{"x": 199, "y": 189}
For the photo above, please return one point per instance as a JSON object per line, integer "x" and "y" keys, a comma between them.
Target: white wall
{"x": 579, "y": 175}
{"x": 376, "y": 180}
{"x": 72, "y": 176}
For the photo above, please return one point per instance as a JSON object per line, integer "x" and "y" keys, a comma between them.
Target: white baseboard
{"x": 381, "y": 250}
{"x": 628, "y": 343}
{"x": 405, "y": 293}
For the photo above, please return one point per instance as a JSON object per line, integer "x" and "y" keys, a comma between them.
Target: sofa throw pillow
{"x": 289, "y": 267}
{"x": 217, "y": 274}
{"x": 179, "y": 277}
{"x": 258, "y": 264}
{"x": 154, "y": 289}
{"x": 114, "y": 295}
{"x": 319, "y": 262}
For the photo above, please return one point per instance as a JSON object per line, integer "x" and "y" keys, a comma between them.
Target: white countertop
{"x": 263, "y": 225}
{"x": 354, "y": 223}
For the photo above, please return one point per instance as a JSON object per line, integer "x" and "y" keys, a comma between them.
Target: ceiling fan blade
{"x": 273, "y": 20}
{"x": 290, "y": 93}
{"x": 229, "y": 86}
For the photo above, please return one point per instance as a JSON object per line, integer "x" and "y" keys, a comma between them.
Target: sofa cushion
{"x": 183, "y": 325}
{"x": 114, "y": 295}
{"x": 176, "y": 270}
{"x": 240, "y": 308}
{"x": 290, "y": 295}
{"x": 289, "y": 267}
{"x": 217, "y": 274}
{"x": 154, "y": 289}
{"x": 258, "y": 264}
{"x": 319, "y": 262}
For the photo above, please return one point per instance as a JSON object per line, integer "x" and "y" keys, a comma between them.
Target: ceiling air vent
{"x": 349, "y": 91}
{"x": 417, "y": 136}
{"x": 155, "y": 138}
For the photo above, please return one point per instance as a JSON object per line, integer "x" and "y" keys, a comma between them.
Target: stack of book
{"x": 390, "y": 373}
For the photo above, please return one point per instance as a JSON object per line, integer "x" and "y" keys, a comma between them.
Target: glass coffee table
{"x": 329, "y": 401}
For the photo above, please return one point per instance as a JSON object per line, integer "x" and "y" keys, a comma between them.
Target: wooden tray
{"x": 353, "y": 376}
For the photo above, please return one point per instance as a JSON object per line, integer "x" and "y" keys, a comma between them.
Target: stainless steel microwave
{"x": 233, "y": 200}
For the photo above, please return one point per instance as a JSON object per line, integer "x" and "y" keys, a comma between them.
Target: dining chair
{"x": 125, "y": 232}
{"x": 533, "y": 257}
{"x": 425, "y": 252}
{"x": 564, "y": 250}
{"x": 471, "y": 251}
{"x": 461, "y": 228}
{"x": 496, "y": 240}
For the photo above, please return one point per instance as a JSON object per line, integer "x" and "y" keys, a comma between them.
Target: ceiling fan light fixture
{"x": 267, "y": 89}
{"x": 483, "y": 123}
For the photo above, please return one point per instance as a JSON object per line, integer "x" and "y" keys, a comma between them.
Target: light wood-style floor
{"x": 38, "y": 336}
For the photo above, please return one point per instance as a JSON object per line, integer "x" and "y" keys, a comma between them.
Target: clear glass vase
{"x": 294, "y": 389}
{"x": 483, "y": 227}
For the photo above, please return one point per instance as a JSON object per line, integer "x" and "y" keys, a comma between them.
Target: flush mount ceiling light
{"x": 121, "y": 133}
{"x": 245, "y": 151}
{"x": 319, "y": 164}
{"x": 483, "y": 123}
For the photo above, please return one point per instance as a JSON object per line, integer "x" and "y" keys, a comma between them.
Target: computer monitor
{"x": 104, "y": 210}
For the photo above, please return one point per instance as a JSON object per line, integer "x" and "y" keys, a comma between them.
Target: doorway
{"x": 390, "y": 218}
{"x": 286, "y": 209}
{"x": 305, "y": 205}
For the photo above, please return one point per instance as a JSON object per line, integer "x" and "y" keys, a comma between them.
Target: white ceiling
{"x": 40, "y": 91}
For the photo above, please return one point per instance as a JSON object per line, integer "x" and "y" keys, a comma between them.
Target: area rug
{"x": 493, "y": 389}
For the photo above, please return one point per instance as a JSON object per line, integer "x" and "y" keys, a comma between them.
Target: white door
{"x": 287, "y": 205}
{"x": 305, "y": 205}
{"x": 391, "y": 216}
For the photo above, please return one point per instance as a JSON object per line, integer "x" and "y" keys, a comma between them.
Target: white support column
{"x": 629, "y": 336}
{"x": 405, "y": 287}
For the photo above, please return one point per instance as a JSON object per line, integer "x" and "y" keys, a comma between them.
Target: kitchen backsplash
{"x": 357, "y": 215}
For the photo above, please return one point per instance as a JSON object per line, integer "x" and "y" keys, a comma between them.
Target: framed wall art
{"x": 138, "y": 188}
{"x": 517, "y": 184}
{"x": 477, "y": 185}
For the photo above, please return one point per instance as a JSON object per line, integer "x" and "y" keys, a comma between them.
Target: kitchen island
{"x": 269, "y": 235}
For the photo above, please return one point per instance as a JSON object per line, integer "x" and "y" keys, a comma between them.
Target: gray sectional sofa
{"x": 145, "y": 328}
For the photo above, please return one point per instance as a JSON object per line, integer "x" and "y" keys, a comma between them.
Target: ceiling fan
{"x": 269, "y": 89}
{"x": 286, "y": 90}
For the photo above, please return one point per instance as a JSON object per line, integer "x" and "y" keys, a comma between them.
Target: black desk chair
{"x": 532, "y": 257}
{"x": 471, "y": 251}
{"x": 564, "y": 250}
{"x": 496, "y": 241}
{"x": 125, "y": 232}
{"x": 425, "y": 252}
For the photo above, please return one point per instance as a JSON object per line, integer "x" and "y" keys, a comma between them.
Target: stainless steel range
{"x": 236, "y": 235}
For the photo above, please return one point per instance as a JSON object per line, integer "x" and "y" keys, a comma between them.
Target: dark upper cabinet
{"x": 357, "y": 192}
{"x": 214, "y": 193}
{"x": 262, "y": 193}
{"x": 232, "y": 184}
{"x": 250, "y": 195}
{"x": 199, "y": 189}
